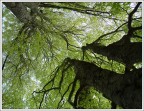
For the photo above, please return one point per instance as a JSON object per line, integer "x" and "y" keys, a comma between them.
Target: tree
{"x": 72, "y": 55}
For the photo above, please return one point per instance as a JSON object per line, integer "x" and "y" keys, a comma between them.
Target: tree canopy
{"x": 72, "y": 55}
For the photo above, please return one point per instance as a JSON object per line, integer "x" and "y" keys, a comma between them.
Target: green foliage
{"x": 91, "y": 99}
{"x": 34, "y": 55}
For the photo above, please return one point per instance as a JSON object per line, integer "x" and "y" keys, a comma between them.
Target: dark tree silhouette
{"x": 124, "y": 90}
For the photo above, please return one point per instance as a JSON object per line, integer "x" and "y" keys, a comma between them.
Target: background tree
{"x": 72, "y": 55}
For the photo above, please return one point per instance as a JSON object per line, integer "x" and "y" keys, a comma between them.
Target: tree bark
{"x": 126, "y": 53}
{"x": 20, "y": 10}
{"x": 124, "y": 90}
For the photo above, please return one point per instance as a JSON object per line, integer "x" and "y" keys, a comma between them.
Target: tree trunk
{"x": 124, "y": 90}
{"x": 123, "y": 52}
{"x": 20, "y": 10}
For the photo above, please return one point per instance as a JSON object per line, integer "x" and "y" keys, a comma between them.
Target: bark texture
{"x": 126, "y": 53}
{"x": 123, "y": 89}
{"x": 20, "y": 10}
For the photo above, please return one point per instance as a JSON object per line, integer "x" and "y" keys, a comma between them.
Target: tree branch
{"x": 4, "y": 62}
{"x": 84, "y": 11}
{"x": 131, "y": 14}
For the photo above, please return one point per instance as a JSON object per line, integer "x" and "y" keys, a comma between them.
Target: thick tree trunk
{"x": 126, "y": 53}
{"x": 124, "y": 90}
{"x": 20, "y": 10}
